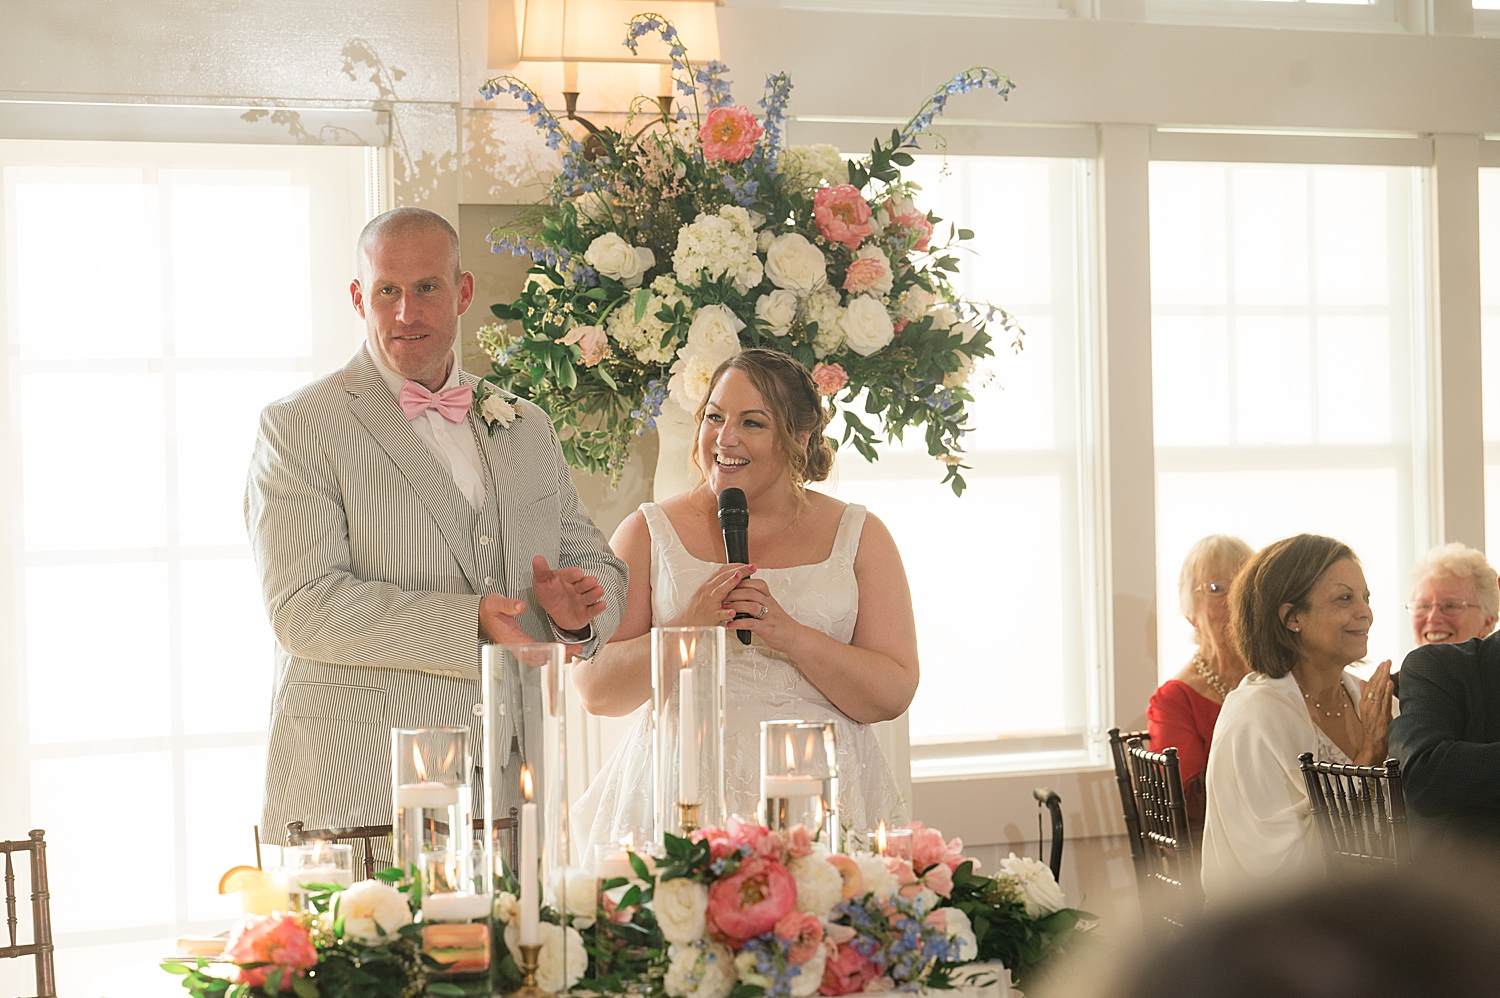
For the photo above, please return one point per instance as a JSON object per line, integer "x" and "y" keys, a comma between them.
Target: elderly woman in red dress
{"x": 1184, "y": 709}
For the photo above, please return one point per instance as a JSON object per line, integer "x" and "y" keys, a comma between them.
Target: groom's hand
{"x": 497, "y": 620}
{"x": 570, "y": 598}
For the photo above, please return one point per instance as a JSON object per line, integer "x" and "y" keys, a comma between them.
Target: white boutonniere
{"x": 493, "y": 408}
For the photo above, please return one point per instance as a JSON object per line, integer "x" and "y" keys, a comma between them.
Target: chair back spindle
{"x": 40, "y": 948}
{"x": 1117, "y": 741}
{"x": 1360, "y": 813}
{"x": 1172, "y": 894}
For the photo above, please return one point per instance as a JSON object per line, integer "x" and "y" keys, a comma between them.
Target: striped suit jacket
{"x": 372, "y": 566}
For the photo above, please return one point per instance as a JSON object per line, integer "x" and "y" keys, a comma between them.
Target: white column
{"x": 1130, "y": 457}
{"x": 1457, "y": 381}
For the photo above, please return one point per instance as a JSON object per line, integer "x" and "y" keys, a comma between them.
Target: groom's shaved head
{"x": 400, "y": 222}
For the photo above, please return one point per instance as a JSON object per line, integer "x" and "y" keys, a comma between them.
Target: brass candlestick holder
{"x": 528, "y": 988}
{"x": 687, "y": 817}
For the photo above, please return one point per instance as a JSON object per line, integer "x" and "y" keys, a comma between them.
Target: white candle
{"x": 615, "y": 864}
{"x": 323, "y": 875}
{"x": 458, "y": 906}
{"x": 529, "y": 874}
{"x": 687, "y": 741}
{"x": 791, "y": 785}
{"x": 426, "y": 795}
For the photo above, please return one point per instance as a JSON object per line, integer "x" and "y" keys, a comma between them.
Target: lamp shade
{"x": 594, "y": 30}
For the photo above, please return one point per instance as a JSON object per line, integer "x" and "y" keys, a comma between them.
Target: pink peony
{"x": 905, "y": 876}
{"x": 843, "y": 215}
{"x": 750, "y": 901}
{"x": 866, "y": 273}
{"x": 277, "y": 940}
{"x": 758, "y": 838}
{"x": 939, "y": 879}
{"x": 913, "y": 221}
{"x": 799, "y": 840}
{"x": 719, "y": 844}
{"x": 804, "y": 932}
{"x": 830, "y": 378}
{"x": 729, "y": 134}
{"x": 929, "y": 849}
{"x": 592, "y": 340}
{"x": 847, "y": 971}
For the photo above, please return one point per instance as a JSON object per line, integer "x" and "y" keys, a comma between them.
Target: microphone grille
{"x": 733, "y": 499}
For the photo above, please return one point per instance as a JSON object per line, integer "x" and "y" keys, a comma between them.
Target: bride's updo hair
{"x": 796, "y": 408}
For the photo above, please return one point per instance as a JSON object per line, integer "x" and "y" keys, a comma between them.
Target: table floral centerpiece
{"x": 656, "y": 255}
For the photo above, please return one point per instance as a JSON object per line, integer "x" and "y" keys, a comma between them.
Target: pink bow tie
{"x": 453, "y": 403}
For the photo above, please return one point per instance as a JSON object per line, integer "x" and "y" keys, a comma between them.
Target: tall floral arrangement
{"x": 657, "y": 255}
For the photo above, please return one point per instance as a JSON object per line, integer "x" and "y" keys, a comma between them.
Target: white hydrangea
{"x": 712, "y": 246}
{"x": 642, "y": 340}
{"x": 820, "y": 886}
{"x": 815, "y": 164}
{"x": 701, "y": 970}
{"x": 878, "y": 880}
{"x": 822, "y": 307}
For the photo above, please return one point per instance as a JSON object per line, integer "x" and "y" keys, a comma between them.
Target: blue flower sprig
{"x": 973, "y": 78}
{"x": 651, "y": 402}
{"x": 774, "y": 103}
{"x": 577, "y": 173}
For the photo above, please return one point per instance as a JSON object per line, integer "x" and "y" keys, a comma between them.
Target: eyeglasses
{"x": 1218, "y": 590}
{"x": 1448, "y": 608}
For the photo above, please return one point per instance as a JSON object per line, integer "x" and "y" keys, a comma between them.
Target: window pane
{"x": 227, "y": 648}
{"x": 1281, "y": 405}
{"x": 1489, "y": 299}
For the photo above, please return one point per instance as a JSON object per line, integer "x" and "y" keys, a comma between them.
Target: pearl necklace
{"x": 1322, "y": 709}
{"x": 1209, "y": 675}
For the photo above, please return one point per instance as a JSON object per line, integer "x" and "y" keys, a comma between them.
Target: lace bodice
{"x": 763, "y": 684}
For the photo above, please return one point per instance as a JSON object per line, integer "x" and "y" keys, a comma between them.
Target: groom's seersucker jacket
{"x": 372, "y": 566}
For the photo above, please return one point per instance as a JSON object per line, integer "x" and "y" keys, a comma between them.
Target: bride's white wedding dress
{"x": 762, "y": 684}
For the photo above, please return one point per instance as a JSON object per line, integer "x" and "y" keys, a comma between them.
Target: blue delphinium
{"x": 974, "y": 78}
{"x": 651, "y": 402}
{"x": 778, "y": 94}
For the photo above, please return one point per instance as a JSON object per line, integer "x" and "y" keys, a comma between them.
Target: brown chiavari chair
{"x": 366, "y": 834}
{"x": 1117, "y": 741}
{"x": 1360, "y": 812}
{"x": 1172, "y": 895}
{"x": 40, "y": 947}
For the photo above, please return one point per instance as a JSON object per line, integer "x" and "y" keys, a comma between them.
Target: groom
{"x": 396, "y": 528}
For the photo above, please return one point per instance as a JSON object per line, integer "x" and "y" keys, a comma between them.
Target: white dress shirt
{"x": 452, "y": 444}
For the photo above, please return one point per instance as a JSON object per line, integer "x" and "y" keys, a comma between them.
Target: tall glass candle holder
{"x": 687, "y": 712}
{"x": 799, "y": 783}
{"x": 431, "y": 770}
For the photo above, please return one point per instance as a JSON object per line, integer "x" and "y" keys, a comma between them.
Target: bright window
{"x": 1284, "y": 332}
{"x": 155, "y": 298}
{"x": 998, "y": 576}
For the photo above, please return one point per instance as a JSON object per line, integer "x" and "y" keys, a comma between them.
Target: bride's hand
{"x": 775, "y": 626}
{"x": 706, "y": 608}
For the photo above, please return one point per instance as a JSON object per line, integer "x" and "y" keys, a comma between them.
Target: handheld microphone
{"x": 734, "y": 518}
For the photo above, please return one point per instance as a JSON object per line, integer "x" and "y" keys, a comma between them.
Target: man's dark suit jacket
{"x": 1448, "y": 737}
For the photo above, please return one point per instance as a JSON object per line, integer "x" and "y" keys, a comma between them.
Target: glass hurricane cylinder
{"x": 456, "y": 906}
{"x": 799, "y": 782}
{"x": 431, "y": 770}
{"x": 687, "y": 714}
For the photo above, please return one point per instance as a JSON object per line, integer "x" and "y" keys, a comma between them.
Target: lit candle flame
{"x": 526, "y": 782}
{"x": 416, "y": 758}
{"x": 448, "y": 759}
{"x": 791, "y": 756}
{"x": 628, "y": 842}
{"x": 880, "y": 837}
{"x": 322, "y": 855}
{"x": 687, "y": 649}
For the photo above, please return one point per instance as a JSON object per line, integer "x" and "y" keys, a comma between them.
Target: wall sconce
{"x": 589, "y": 35}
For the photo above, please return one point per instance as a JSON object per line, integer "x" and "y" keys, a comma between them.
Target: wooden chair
{"x": 297, "y": 835}
{"x": 1360, "y": 812}
{"x": 1172, "y": 894}
{"x": 1117, "y": 742}
{"x": 40, "y": 947}
{"x": 1048, "y": 799}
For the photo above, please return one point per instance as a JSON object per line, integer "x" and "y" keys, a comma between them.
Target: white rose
{"x": 596, "y": 207}
{"x": 576, "y": 890}
{"x": 777, "y": 309}
{"x": 867, "y": 325}
{"x": 961, "y": 931}
{"x": 562, "y": 960}
{"x": 688, "y": 384}
{"x": 915, "y": 302}
{"x": 764, "y": 240}
{"x": 1034, "y": 883}
{"x": 878, "y": 880}
{"x": 369, "y": 904}
{"x": 820, "y": 886}
{"x": 965, "y": 330}
{"x": 960, "y": 377}
{"x": 680, "y": 905}
{"x": 702, "y": 970}
{"x": 715, "y": 331}
{"x": 810, "y": 974}
{"x": 612, "y": 256}
{"x": 943, "y": 317}
{"x": 496, "y": 410}
{"x": 507, "y": 908}
{"x": 796, "y": 264}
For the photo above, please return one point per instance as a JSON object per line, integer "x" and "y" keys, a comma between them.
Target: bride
{"x": 833, "y": 637}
